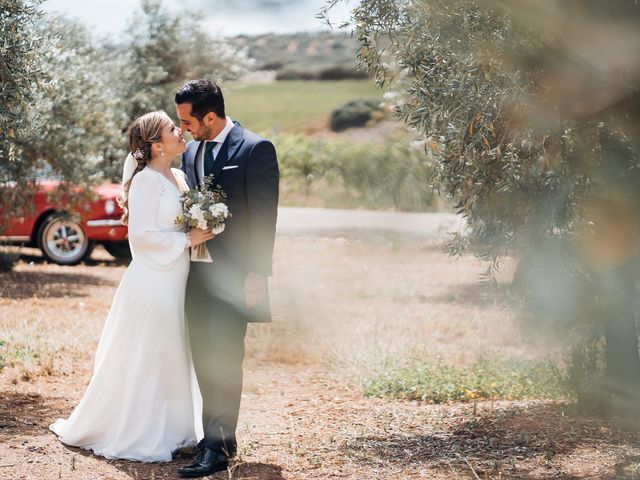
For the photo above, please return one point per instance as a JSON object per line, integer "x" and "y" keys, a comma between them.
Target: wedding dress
{"x": 142, "y": 401}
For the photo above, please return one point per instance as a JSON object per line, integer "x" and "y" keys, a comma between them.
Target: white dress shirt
{"x": 220, "y": 140}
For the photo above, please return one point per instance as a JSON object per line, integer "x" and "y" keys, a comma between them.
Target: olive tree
{"x": 20, "y": 75}
{"x": 61, "y": 116}
{"x": 68, "y": 99}
{"x": 530, "y": 112}
{"x": 80, "y": 106}
{"x": 165, "y": 49}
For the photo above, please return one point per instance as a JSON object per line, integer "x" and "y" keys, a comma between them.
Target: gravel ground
{"x": 336, "y": 296}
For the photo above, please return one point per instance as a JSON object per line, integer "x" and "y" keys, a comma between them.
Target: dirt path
{"x": 339, "y": 301}
{"x": 299, "y": 424}
{"x": 432, "y": 226}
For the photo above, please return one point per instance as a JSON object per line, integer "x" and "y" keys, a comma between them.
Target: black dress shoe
{"x": 207, "y": 461}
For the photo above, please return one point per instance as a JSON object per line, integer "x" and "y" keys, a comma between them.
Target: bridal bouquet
{"x": 205, "y": 209}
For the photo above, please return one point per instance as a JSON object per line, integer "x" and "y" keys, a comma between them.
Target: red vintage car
{"x": 67, "y": 236}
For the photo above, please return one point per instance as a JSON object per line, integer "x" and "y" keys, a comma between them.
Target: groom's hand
{"x": 255, "y": 288}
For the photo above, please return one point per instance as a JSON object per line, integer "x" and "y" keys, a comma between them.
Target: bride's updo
{"x": 143, "y": 133}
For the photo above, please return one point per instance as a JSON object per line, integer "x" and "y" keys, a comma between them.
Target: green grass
{"x": 487, "y": 378}
{"x": 292, "y": 106}
{"x": 331, "y": 174}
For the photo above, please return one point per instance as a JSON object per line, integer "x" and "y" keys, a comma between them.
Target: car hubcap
{"x": 64, "y": 240}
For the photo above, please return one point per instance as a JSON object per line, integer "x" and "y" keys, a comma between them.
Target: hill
{"x": 305, "y": 56}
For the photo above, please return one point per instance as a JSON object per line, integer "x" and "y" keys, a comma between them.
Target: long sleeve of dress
{"x": 156, "y": 246}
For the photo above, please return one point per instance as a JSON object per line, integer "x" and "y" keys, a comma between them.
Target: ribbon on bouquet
{"x": 200, "y": 253}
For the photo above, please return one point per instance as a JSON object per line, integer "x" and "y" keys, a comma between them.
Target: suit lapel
{"x": 189, "y": 163}
{"x": 228, "y": 149}
{"x": 194, "y": 164}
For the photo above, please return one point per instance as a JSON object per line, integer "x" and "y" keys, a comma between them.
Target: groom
{"x": 224, "y": 295}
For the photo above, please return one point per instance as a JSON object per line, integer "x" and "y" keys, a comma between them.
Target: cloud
{"x": 242, "y": 7}
{"x": 222, "y": 16}
{"x": 262, "y": 16}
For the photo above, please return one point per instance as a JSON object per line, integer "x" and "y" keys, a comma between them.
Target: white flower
{"x": 196, "y": 212}
{"x": 218, "y": 229}
{"x": 219, "y": 210}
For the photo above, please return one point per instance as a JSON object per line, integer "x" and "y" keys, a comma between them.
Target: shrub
{"x": 487, "y": 378}
{"x": 301, "y": 158}
{"x": 353, "y": 114}
{"x": 289, "y": 73}
{"x": 8, "y": 259}
{"x": 585, "y": 373}
{"x": 361, "y": 175}
{"x": 315, "y": 72}
{"x": 275, "y": 65}
{"x": 341, "y": 72}
{"x": 384, "y": 176}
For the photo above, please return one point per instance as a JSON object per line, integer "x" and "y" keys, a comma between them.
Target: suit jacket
{"x": 246, "y": 168}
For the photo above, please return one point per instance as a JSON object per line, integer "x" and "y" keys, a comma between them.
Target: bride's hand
{"x": 198, "y": 236}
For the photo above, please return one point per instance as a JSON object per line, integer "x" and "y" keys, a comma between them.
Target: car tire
{"x": 119, "y": 250}
{"x": 63, "y": 240}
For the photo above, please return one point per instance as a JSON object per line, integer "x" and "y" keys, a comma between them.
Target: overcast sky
{"x": 225, "y": 17}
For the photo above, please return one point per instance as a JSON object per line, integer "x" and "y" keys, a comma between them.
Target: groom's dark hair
{"x": 204, "y": 97}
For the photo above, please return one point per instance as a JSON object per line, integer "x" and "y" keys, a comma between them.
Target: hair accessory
{"x": 137, "y": 154}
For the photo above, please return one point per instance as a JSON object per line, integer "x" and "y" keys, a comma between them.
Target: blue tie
{"x": 208, "y": 158}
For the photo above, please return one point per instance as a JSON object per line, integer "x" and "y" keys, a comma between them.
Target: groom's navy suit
{"x": 246, "y": 168}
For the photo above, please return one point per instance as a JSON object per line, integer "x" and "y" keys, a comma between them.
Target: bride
{"x": 139, "y": 404}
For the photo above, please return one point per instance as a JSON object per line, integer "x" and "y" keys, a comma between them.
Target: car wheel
{"x": 120, "y": 250}
{"x": 63, "y": 241}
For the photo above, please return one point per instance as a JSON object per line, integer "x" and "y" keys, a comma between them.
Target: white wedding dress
{"x": 142, "y": 402}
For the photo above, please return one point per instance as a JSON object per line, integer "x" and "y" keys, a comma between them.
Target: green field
{"x": 292, "y": 106}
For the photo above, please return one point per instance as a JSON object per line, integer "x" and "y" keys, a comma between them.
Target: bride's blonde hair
{"x": 143, "y": 133}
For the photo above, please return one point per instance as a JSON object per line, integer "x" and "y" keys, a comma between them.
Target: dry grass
{"x": 358, "y": 300}
{"x": 52, "y": 316}
{"x": 338, "y": 302}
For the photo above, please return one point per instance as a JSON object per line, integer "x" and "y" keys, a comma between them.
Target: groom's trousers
{"x": 216, "y": 320}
